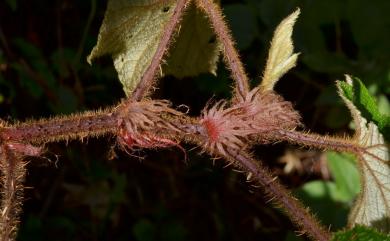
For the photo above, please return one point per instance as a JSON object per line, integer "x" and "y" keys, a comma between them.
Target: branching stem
{"x": 108, "y": 121}
{"x": 152, "y": 124}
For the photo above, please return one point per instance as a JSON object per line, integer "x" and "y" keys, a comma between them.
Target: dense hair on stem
{"x": 230, "y": 53}
{"x": 279, "y": 194}
{"x": 12, "y": 176}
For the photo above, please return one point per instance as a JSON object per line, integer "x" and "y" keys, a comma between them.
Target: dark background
{"x": 78, "y": 193}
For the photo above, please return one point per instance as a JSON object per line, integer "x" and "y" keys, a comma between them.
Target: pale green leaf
{"x": 130, "y": 32}
{"x": 280, "y": 57}
{"x": 345, "y": 175}
{"x": 196, "y": 49}
{"x": 372, "y": 208}
{"x": 132, "y": 29}
{"x": 326, "y": 200}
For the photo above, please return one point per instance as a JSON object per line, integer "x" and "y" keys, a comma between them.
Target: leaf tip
{"x": 281, "y": 57}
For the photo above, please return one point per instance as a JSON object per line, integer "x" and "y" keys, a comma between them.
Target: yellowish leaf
{"x": 280, "y": 57}
{"x": 372, "y": 208}
{"x": 130, "y": 32}
{"x": 132, "y": 29}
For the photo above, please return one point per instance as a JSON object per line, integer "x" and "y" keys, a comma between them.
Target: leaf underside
{"x": 196, "y": 49}
{"x": 372, "y": 208}
{"x": 131, "y": 32}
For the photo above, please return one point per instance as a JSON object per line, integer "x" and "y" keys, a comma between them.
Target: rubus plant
{"x": 140, "y": 35}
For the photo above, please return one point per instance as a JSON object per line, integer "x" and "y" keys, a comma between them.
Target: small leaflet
{"x": 280, "y": 57}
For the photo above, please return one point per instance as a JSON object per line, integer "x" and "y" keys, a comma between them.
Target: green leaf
{"x": 372, "y": 206}
{"x": 383, "y": 105}
{"x": 360, "y": 233}
{"x": 320, "y": 189}
{"x": 345, "y": 174}
{"x": 361, "y": 98}
{"x": 131, "y": 32}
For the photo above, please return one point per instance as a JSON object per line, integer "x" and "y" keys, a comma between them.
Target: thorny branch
{"x": 227, "y": 130}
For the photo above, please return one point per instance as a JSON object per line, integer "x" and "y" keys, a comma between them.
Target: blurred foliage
{"x": 360, "y": 233}
{"x": 85, "y": 196}
{"x": 368, "y": 107}
{"x": 331, "y": 200}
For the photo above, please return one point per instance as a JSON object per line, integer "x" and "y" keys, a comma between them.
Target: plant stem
{"x": 231, "y": 56}
{"x": 279, "y": 195}
{"x": 61, "y": 128}
{"x": 107, "y": 121}
{"x": 318, "y": 141}
{"x": 13, "y": 172}
{"x": 150, "y": 73}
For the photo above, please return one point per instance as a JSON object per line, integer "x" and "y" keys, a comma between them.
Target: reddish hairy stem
{"x": 317, "y": 141}
{"x": 231, "y": 56}
{"x": 13, "y": 173}
{"x": 90, "y": 123}
{"x": 83, "y": 125}
{"x": 77, "y": 126}
{"x": 280, "y": 195}
{"x": 150, "y": 73}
